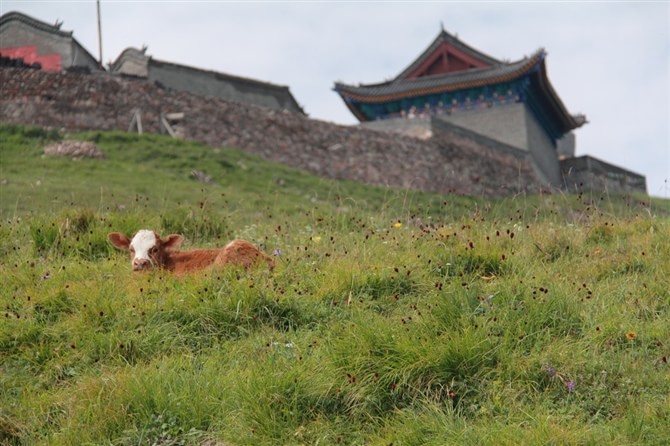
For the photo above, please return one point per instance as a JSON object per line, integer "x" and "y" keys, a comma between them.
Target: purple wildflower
{"x": 571, "y": 386}
{"x": 551, "y": 371}
{"x": 277, "y": 252}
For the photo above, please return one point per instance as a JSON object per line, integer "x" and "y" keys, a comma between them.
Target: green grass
{"x": 393, "y": 317}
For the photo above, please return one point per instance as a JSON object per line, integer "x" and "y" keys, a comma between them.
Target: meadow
{"x": 393, "y": 317}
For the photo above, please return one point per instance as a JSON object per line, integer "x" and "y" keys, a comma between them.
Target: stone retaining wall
{"x": 73, "y": 101}
{"x": 586, "y": 173}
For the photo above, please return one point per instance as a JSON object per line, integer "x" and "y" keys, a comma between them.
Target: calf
{"x": 149, "y": 251}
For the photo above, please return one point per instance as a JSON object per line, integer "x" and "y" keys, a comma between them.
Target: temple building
{"x": 136, "y": 63}
{"x": 26, "y": 40}
{"x": 511, "y": 103}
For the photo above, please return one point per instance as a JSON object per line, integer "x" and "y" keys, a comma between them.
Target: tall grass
{"x": 391, "y": 318}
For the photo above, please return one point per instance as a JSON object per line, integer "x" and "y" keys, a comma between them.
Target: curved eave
{"x": 534, "y": 67}
{"x": 358, "y": 93}
{"x": 360, "y": 116}
{"x": 570, "y": 122}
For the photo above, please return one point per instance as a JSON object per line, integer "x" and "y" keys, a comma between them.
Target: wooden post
{"x": 99, "y": 34}
{"x": 167, "y": 127}
{"x": 136, "y": 121}
{"x": 169, "y": 119}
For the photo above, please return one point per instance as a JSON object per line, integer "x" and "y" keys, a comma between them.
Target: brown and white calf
{"x": 149, "y": 251}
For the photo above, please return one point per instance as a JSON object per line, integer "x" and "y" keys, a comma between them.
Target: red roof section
{"x": 445, "y": 59}
{"x": 447, "y": 54}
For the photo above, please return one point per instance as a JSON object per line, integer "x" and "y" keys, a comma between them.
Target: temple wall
{"x": 566, "y": 145}
{"x": 448, "y": 163}
{"x": 523, "y": 135}
{"x": 505, "y": 123}
{"x": 442, "y": 128}
{"x": 419, "y": 127}
{"x": 544, "y": 155}
{"x": 514, "y": 125}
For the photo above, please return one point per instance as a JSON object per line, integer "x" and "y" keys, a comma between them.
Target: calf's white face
{"x": 143, "y": 248}
{"x": 147, "y": 249}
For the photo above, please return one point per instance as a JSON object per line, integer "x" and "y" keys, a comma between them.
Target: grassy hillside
{"x": 393, "y": 317}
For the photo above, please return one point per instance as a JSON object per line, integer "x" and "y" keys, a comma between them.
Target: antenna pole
{"x": 99, "y": 33}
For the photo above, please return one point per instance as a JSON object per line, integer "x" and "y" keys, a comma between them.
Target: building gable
{"x": 445, "y": 59}
{"x": 450, "y": 77}
{"x": 446, "y": 54}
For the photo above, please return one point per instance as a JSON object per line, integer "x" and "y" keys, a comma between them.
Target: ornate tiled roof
{"x": 14, "y": 15}
{"x": 445, "y": 38}
{"x": 529, "y": 74}
{"x": 406, "y": 88}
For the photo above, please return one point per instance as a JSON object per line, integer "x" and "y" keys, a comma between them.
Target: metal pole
{"x": 99, "y": 34}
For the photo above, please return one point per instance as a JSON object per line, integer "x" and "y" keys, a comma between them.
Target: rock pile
{"x": 201, "y": 176}
{"x": 74, "y": 150}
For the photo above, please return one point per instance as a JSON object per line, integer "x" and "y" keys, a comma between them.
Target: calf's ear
{"x": 172, "y": 241}
{"x": 119, "y": 240}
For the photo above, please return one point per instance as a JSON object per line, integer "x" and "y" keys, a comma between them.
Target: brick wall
{"x": 448, "y": 163}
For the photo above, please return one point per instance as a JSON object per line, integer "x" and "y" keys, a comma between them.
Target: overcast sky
{"x": 608, "y": 60}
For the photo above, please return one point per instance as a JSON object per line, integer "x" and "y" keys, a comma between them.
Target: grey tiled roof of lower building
{"x": 281, "y": 94}
{"x": 14, "y": 15}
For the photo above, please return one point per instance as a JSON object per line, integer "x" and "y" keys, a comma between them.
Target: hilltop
{"x": 452, "y": 162}
{"x": 393, "y": 317}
